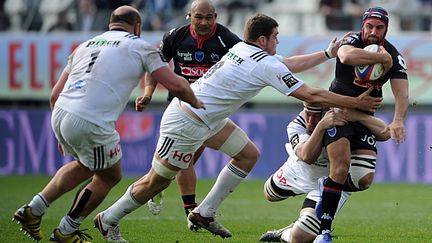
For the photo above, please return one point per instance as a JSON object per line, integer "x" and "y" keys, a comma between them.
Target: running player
{"x": 194, "y": 48}
{"x": 354, "y": 138}
{"x": 87, "y": 100}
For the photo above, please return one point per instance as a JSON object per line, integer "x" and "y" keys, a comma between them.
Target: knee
{"x": 254, "y": 154}
{"x": 362, "y": 170}
{"x": 366, "y": 181}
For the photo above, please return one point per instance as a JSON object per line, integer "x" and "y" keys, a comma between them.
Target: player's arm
{"x": 400, "y": 92}
{"x": 353, "y": 56}
{"x": 302, "y": 63}
{"x": 326, "y": 98}
{"x": 311, "y": 148}
{"x": 177, "y": 85}
{"x": 58, "y": 87}
{"x": 377, "y": 126}
{"x": 149, "y": 87}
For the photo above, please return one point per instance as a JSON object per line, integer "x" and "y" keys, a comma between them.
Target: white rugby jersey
{"x": 237, "y": 77}
{"x": 102, "y": 74}
{"x": 297, "y": 134}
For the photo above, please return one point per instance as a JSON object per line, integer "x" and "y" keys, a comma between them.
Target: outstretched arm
{"x": 302, "y": 63}
{"x": 326, "y": 98}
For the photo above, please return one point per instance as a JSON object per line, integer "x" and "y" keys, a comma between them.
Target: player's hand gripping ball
{"x": 370, "y": 72}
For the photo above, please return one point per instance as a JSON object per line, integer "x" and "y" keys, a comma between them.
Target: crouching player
{"x": 308, "y": 161}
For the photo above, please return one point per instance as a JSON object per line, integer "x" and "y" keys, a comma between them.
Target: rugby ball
{"x": 370, "y": 72}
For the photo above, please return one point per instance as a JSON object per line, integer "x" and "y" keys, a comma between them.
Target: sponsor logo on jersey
{"x": 289, "y": 80}
{"x": 79, "y": 84}
{"x": 376, "y": 84}
{"x": 214, "y": 57}
{"x": 199, "y": 56}
{"x": 102, "y": 42}
{"x": 332, "y": 131}
{"x": 193, "y": 71}
{"x": 232, "y": 56}
{"x": 294, "y": 140}
{"x": 185, "y": 56}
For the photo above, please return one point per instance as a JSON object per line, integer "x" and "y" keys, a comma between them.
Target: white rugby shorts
{"x": 181, "y": 135}
{"x": 95, "y": 147}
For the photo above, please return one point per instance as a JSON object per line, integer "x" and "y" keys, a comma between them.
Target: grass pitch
{"x": 384, "y": 213}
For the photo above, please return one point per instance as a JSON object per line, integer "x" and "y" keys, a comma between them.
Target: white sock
{"x": 38, "y": 204}
{"x": 122, "y": 207}
{"x": 227, "y": 181}
{"x": 67, "y": 225}
{"x": 286, "y": 235}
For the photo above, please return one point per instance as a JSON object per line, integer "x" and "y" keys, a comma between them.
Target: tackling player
{"x": 194, "y": 48}
{"x": 307, "y": 162}
{"x": 354, "y": 138}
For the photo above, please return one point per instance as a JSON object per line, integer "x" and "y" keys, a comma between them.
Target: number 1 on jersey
{"x": 93, "y": 57}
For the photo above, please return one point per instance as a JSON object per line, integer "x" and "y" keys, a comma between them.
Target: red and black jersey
{"x": 194, "y": 55}
{"x": 346, "y": 82}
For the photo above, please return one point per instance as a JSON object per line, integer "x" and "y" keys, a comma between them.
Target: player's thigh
{"x": 233, "y": 141}
{"x": 284, "y": 183}
{"x": 180, "y": 136}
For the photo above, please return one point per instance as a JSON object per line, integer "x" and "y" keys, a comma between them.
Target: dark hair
{"x": 258, "y": 25}
{"x": 130, "y": 18}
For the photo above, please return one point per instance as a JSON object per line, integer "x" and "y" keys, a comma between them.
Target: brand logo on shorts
{"x": 115, "y": 151}
{"x": 332, "y": 131}
{"x": 183, "y": 157}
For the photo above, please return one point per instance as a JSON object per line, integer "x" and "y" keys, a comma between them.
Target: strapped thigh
{"x": 236, "y": 141}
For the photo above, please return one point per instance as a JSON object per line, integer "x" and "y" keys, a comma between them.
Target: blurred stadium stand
{"x": 296, "y": 17}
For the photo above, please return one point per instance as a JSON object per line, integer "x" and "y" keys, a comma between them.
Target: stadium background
{"x": 34, "y": 50}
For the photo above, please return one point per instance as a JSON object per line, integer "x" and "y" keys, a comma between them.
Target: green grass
{"x": 384, "y": 213}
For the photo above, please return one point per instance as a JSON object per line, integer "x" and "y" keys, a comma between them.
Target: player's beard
{"x": 372, "y": 40}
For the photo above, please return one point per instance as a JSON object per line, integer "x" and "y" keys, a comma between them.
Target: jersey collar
{"x": 200, "y": 40}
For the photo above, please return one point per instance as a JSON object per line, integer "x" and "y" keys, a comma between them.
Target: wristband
{"x": 327, "y": 55}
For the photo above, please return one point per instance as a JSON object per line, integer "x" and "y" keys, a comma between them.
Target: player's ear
{"x": 215, "y": 14}
{"x": 188, "y": 15}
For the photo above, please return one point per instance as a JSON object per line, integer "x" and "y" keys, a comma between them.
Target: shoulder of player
{"x": 298, "y": 124}
{"x": 354, "y": 39}
{"x": 224, "y": 32}
{"x": 391, "y": 48}
{"x": 173, "y": 33}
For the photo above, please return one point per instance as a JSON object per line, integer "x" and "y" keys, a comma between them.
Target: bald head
{"x": 202, "y": 5}
{"x": 125, "y": 15}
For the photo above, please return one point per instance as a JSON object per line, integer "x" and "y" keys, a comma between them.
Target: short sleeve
{"x": 151, "y": 58}
{"x": 277, "y": 75}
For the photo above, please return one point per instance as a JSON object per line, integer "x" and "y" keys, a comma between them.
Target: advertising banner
{"x": 28, "y": 145}
{"x": 31, "y": 63}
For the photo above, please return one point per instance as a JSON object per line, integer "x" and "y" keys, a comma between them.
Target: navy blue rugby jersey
{"x": 346, "y": 83}
{"x": 194, "y": 55}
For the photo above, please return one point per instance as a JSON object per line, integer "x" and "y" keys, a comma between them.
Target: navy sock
{"x": 330, "y": 200}
{"x": 189, "y": 203}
